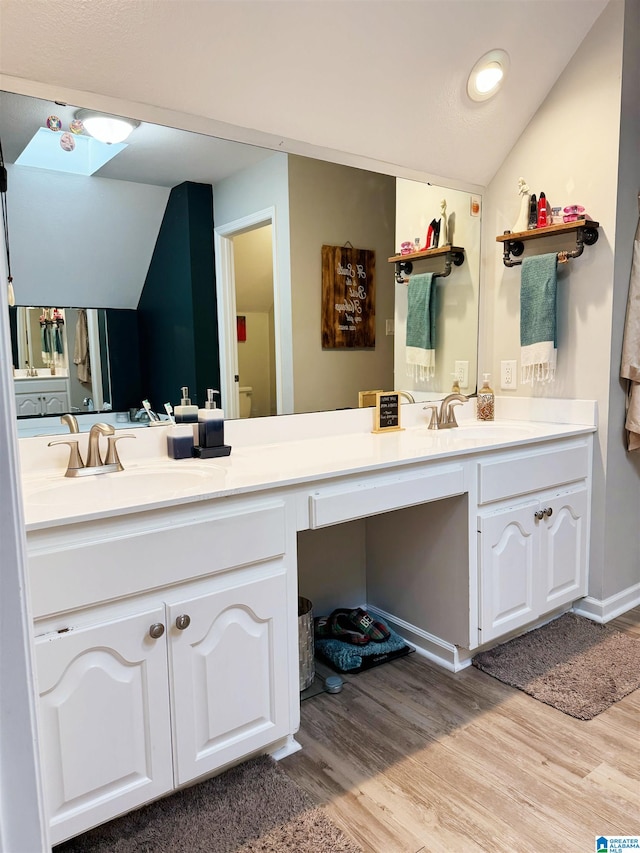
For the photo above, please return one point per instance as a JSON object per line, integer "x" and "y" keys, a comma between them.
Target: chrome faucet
{"x": 95, "y": 465}
{"x": 446, "y": 418}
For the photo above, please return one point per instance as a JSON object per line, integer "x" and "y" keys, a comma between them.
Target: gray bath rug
{"x": 573, "y": 664}
{"x": 252, "y": 808}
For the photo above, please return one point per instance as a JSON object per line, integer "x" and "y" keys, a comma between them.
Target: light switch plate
{"x": 389, "y": 327}
{"x": 461, "y": 369}
{"x": 508, "y": 375}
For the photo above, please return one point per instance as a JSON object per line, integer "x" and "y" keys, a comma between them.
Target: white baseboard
{"x": 607, "y": 609}
{"x": 427, "y": 645}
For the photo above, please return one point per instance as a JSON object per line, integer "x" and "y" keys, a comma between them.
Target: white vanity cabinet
{"x": 41, "y": 396}
{"x": 144, "y": 692}
{"x": 532, "y": 543}
{"x": 104, "y": 720}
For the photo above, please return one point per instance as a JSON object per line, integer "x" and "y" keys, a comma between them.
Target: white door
{"x": 563, "y": 548}
{"x": 230, "y": 379}
{"x": 508, "y": 560}
{"x": 104, "y": 720}
{"x": 229, "y": 674}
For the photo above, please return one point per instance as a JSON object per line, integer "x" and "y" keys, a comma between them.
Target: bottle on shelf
{"x": 542, "y": 211}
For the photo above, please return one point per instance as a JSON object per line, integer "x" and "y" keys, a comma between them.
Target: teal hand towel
{"x": 421, "y": 326}
{"x": 538, "y": 286}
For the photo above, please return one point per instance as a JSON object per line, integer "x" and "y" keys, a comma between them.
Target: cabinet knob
{"x": 183, "y": 621}
{"x": 539, "y": 514}
{"x": 156, "y": 630}
{"x": 548, "y": 511}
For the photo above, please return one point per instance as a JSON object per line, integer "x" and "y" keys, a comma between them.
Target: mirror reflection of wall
{"x": 110, "y": 230}
{"x": 456, "y": 296}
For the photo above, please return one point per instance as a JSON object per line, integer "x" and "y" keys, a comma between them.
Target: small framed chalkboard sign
{"x": 387, "y": 412}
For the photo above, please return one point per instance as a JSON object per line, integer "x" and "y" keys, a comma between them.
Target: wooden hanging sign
{"x": 387, "y": 412}
{"x": 348, "y": 298}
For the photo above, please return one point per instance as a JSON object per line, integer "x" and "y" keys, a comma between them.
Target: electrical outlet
{"x": 389, "y": 327}
{"x": 462, "y": 372}
{"x": 508, "y": 379}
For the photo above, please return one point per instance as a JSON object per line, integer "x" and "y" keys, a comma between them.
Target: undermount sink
{"x": 128, "y": 486}
{"x": 490, "y": 430}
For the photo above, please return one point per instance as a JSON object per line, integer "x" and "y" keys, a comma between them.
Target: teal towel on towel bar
{"x": 538, "y": 286}
{"x": 421, "y": 326}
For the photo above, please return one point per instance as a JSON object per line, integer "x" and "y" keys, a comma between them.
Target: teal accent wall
{"x": 177, "y": 313}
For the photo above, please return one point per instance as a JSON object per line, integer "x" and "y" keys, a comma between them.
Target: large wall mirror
{"x": 198, "y": 261}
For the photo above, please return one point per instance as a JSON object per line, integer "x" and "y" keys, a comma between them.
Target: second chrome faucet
{"x": 77, "y": 468}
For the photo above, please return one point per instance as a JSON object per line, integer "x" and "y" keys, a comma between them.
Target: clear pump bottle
{"x": 486, "y": 400}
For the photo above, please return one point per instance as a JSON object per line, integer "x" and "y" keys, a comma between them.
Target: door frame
{"x": 226, "y": 300}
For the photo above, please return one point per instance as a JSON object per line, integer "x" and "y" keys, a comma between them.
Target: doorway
{"x": 252, "y": 375}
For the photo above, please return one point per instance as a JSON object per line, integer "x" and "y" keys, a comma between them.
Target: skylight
{"x": 44, "y": 151}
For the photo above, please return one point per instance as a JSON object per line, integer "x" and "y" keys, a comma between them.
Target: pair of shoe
{"x": 351, "y": 626}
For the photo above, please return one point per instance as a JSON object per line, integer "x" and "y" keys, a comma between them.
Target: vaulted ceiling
{"x": 384, "y": 79}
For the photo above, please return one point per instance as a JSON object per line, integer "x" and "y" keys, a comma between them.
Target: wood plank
{"x": 411, "y": 758}
{"x": 425, "y": 253}
{"x": 547, "y": 231}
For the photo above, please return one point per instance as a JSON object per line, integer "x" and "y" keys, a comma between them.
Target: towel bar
{"x": 453, "y": 255}
{"x": 586, "y": 231}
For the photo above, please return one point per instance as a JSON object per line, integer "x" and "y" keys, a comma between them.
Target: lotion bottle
{"x": 486, "y": 400}
{"x": 186, "y": 413}
{"x": 210, "y": 422}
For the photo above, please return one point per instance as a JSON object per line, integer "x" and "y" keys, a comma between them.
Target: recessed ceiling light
{"x": 106, "y": 128}
{"x": 487, "y": 75}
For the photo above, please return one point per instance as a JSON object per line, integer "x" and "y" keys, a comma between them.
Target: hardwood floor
{"x": 410, "y": 757}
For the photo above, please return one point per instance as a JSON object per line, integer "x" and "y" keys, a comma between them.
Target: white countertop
{"x": 151, "y": 480}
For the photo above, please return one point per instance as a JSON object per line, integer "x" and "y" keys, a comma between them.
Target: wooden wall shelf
{"x": 586, "y": 231}
{"x": 404, "y": 263}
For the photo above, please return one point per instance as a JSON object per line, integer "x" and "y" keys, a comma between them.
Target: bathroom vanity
{"x": 164, "y": 597}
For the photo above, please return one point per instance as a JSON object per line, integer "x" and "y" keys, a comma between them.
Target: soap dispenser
{"x": 455, "y": 388}
{"x": 210, "y": 422}
{"x": 486, "y": 400}
{"x": 210, "y": 430}
{"x": 186, "y": 413}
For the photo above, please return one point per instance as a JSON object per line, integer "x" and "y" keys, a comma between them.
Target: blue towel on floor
{"x": 346, "y": 656}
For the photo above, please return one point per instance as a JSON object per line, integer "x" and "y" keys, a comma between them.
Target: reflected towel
{"x": 81, "y": 348}
{"x": 421, "y": 326}
{"x": 630, "y": 365}
{"x": 538, "y": 286}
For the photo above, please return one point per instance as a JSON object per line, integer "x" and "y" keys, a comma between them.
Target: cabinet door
{"x": 228, "y": 674}
{"x": 104, "y": 720}
{"x": 508, "y": 556}
{"x": 55, "y": 403}
{"x": 28, "y": 404}
{"x": 563, "y": 535}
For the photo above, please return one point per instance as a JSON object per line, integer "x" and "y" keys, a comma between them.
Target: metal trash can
{"x": 305, "y": 643}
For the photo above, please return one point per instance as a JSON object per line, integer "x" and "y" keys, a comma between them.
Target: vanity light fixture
{"x": 487, "y": 75}
{"x": 106, "y": 128}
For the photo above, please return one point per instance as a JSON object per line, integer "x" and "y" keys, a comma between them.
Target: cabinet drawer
{"x": 152, "y": 551}
{"x": 517, "y": 475}
{"x": 345, "y": 503}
